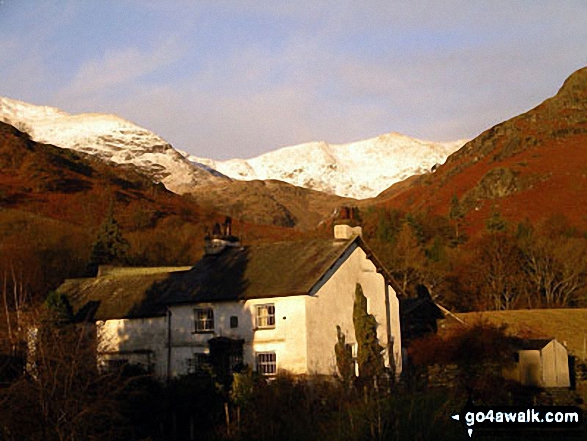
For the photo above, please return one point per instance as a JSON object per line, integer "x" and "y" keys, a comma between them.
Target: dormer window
{"x": 204, "y": 320}
{"x": 266, "y": 316}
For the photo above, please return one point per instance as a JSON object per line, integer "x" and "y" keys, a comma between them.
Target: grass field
{"x": 568, "y": 326}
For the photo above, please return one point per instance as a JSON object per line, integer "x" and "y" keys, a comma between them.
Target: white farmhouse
{"x": 273, "y": 306}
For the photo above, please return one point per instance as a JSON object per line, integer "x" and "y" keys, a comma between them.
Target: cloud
{"x": 117, "y": 68}
{"x": 241, "y": 78}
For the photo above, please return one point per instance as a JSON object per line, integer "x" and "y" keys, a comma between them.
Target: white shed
{"x": 542, "y": 363}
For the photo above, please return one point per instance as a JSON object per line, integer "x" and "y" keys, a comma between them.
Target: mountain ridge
{"x": 109, "y": 137}
{"x": 359, "y": 169}
{"x": 527, "y": 167}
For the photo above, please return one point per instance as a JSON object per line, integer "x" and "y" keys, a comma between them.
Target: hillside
{"x": 529, "y": 167}
{"x": 569, "y": 326}
{"x": 271, "y": 202}
{"x": 53, "y": 200}
{"x": 109, "y": 138}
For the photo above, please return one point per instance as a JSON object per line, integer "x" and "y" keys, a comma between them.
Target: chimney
{"x": 221, "y": 238}
{"x": 346, "y": 225}
{"x": 228, "y": 226}
{"x": 345, "y": 232}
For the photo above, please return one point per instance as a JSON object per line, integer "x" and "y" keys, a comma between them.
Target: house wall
{"x": 131, "y": 338}
{"x": 332, "y": 305}
{"x": 289, "y": 327}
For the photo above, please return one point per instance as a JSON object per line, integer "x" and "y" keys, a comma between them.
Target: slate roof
{"x": 257, "y": 271}
{"x": 116, "y": 296}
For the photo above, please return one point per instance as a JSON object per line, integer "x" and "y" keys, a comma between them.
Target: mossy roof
{"x": 257, "y": 271}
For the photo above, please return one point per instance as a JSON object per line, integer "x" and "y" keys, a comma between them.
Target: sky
{"x": 224, "y": 79}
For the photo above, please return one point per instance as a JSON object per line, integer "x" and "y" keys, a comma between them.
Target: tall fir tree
{"x": 369, "y": 350}
{"x": 456, "y": 214}
{"x": 110, "y": 247}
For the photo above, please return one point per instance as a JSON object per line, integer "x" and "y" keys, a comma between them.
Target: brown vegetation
{"x": 531, "y": 166}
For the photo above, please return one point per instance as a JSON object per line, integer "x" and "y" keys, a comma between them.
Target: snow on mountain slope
{"x": 359, "y": 170}
{"x": 110, "y": 138}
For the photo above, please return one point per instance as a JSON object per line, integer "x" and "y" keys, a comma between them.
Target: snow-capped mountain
{"x": 359, "y": 170}
{"x": 110, "y": 138}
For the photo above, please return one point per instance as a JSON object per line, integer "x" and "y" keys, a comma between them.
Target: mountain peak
{"x": 110, "y": 138}
{"x": 573, "y": 92}
{"x": 359, "y": 169}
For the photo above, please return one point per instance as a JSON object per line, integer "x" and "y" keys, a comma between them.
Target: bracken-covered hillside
{"x": 528, "y": 167}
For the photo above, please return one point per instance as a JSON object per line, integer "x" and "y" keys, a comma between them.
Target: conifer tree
{"x": 456, "y": 214}
{"x": 110, "y": 246}
{"x": 58, "y": 304}
{"x": 495, "y": 223}
{"x": 344, "y": 358}
{"x": 369, "y": 350}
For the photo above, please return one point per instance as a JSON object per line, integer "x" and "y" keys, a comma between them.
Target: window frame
{"x": 198, "y": 363}
{"x": 204, "y": 325}
{"x": 268, "y": 367}
{"x": 269, "y": 318}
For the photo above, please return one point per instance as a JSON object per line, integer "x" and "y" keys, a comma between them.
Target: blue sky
{"x": 226, "y": 79}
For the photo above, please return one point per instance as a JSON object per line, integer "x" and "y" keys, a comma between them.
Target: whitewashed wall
{"x": 332, "y": 305}
{"x": 287, "y": 339}
{"x": 305, "y": 326}
{"x": 122, "y": 338}
{"x": 289, "y": 327}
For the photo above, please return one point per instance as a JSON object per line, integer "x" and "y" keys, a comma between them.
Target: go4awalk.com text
{"x": 516, "y": 418}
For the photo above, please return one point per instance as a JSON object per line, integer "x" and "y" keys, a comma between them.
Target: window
{"x": 233, "y": 321}
{"x": 204, "y": 318}
{"x": 265, "y": 316}
{"x": 266, "y": 363}
{"x": 199, "y": 363}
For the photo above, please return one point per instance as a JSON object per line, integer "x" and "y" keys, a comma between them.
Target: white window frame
{"x": 204, "y": 320}
{"x": 266, "y": 363}
{"x": 265, "y": 316}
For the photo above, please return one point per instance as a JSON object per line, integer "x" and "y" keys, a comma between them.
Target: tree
{"x": 344, "y": 358}
{"x": 110, "y": 246}
{"x": 59, "y": 305}
{"x": 408, "y": 259}
{"x": 556, "y": 267}
{"x": 495, "y": 223}
{"x": 63, "y": 396}
{"x": 369, "y": 350}
{"x": 456, "y": 214}
{"x": 498, "y": 271}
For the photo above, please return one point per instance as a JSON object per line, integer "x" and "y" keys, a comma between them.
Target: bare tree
{"x": 408, "y": 258}
{"x": 62, "y": 396}
{"x": 556, "y": 268}
{"x": 497, "y": 271}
